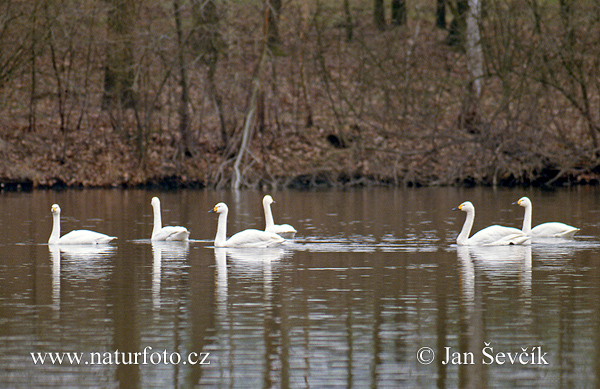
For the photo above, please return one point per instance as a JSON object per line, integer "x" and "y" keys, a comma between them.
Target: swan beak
{"x": 517, "y": 203}
{"x": 213, "y": 210}
{"x": 457, "y": 208}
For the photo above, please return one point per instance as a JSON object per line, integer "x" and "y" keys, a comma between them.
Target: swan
{"x": 75, "y": 236}
{"x": 284, "y": 230}
{"x": 246, "y": 238}
{"x": 489, "y": 236}
{"x": 544, "y": 230}
{"x": 168, "y": 233}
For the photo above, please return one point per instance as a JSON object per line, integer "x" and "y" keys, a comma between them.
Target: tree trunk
{"x": 379, "y": 14}
{"x": 566, "y": 14}
{"x": 206, "y": 46}
{"x": 248, "y": 130}
{"x": 273, "y": 8}
{"x": 458, "y": 25}
{"x": 474, "y": 51}
{"x": 119, "y": 71}
{"x": 399, "y": 12}
{"x": 348, "y": 24}
{"x": 33, "y": 72}
{"x": 184, "y": 109}
{"x": 440, "y": 14}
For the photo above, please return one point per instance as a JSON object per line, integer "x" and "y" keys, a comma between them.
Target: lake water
{"x": 372, "y": 293}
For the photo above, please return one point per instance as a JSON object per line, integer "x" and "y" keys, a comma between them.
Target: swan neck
{"x": 55, "y": 235}
{"x": 527, "y": 219}
{"x": 268, "y": 215}
{"x": 221, "y": 236}
{"x": 157, "y": 220}
{"x": 463, "y": 237}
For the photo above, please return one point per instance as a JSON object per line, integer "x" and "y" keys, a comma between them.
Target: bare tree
{"x": 207, "y": 44}
{"x": 440, "y": 14}
{"x": 272, "y": 9}
{"x": 119, "y": 73}
{"x": 14, "y": 45}
{"x": 348, "y": 23}
{"x": 184, "y": 102}
{"x": 458, "y": 24}
{"x": 398, "y": 12}
{"x": 469, "y": 117}
{"x": 379, "y": 15}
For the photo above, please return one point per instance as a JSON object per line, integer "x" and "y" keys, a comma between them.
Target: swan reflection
{"x": 480, "y": 268}
{"x": 248, "y": 276}
{"x": 165, "y": 250}
{"x": 246, "y": 261}
{"x": 498, "y": 262}
{"x": 86, "y": 260}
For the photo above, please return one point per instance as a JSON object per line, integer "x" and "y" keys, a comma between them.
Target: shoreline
{"x": 302, "y": 181}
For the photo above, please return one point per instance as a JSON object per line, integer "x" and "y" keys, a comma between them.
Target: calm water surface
{"x": 372, "y": 283}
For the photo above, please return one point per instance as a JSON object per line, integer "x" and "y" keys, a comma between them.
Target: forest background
{"x": 293, "y": 93}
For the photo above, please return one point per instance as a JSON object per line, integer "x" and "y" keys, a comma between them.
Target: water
{"x": 373, "y": 277}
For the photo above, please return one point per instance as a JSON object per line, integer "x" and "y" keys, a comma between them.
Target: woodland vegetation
{"x": 297, "y": 93}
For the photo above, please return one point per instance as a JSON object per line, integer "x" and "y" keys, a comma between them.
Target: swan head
{"x": 155, "y": 202}
{"x": 268, "y": 200}
{"x": 219, "y": 208}
{"x": 524, "y": 202}
{"x": 465, "y": 207}
{"x": 55, "y": 209}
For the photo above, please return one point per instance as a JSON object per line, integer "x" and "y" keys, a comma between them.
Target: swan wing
{"x": 554, "y": 230}
{"x": 498, "y": 236}
{"x": 254, "y": 238}
{"x": 85, "y": 237}
{"x": 284, "y": 230}
{"x": 172, "y": 233}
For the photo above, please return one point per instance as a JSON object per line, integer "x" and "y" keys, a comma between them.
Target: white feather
{"x": 168, "y": 233}
{"x": 544, "y": 230}
{"x": 490, "y": 236}
{"x": 284, "y": 230}
{"x": 76, "y": 236}
{"x": 246, "y": 238}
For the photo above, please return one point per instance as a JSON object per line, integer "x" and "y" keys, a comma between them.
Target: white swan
{"x": 489, "y": 236}
{"x": 284, "y": 230}
{"x": 75, "y": 236}
{"x": 246, "y": 238}
{"x": 544, "y": 230}
{"x": 168, "y": 233}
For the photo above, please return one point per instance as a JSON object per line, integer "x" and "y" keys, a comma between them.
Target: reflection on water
{"x": 500, "y": 266}
{"x": 373, "y": 277}
{"x": 173, "y": 252}
{"x": 78, "y": 259}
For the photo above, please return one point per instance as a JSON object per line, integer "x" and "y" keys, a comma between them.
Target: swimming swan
{"x": 544, "y": 230}
{"x": 284, "y": 230}
{"x": 489, "y": 236}
{"x": 168, "y": 233}
{"x": 75, "y": 236}
{"x": 246, "y": 238}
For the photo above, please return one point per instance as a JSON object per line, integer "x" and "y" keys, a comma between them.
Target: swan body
{"x": 81, "y": 237}
{"x": 284, "y": 230}
{"x": 490, "y": 236}
{"x": 168, "y": 233}
{"x": 246, "y": 238}
{"x": 544, "y": 230}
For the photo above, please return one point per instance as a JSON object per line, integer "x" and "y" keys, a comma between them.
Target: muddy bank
{"x": 287, "y": 160}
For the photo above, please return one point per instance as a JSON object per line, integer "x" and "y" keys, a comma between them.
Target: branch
{"x": 236, "y": 181}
